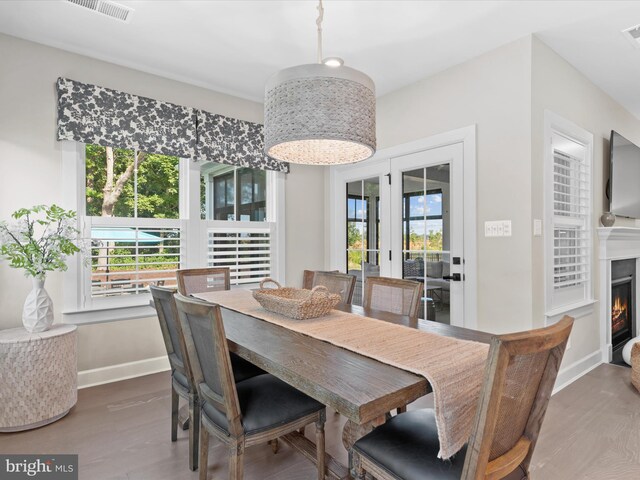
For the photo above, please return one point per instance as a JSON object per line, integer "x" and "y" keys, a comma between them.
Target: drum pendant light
{"x": 320, "y": 114}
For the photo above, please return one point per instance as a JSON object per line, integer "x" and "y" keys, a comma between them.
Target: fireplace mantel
{"x": 619, "y": 242}
{"x": 616, "y": 243}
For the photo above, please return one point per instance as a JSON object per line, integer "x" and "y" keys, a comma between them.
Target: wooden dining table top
{"x": 356, "y": 386}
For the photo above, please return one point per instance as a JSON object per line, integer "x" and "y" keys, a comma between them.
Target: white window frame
{"x": 194, "y": 237}
{"x": 556, "y": 302}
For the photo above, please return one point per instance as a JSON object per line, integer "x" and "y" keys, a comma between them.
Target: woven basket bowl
{"x": 635, "y": 365}
{"x": 296, "y": 303}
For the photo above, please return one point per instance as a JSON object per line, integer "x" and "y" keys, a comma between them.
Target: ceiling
{"x": 234, "y": 46}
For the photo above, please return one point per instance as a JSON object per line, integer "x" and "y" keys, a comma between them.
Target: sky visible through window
{"x": 356, "y": 210}
{"x": 433, "y": 208}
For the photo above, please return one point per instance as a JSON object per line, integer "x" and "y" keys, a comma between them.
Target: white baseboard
{"x": 577, "y": 369}
{"x": 122, "y": 371}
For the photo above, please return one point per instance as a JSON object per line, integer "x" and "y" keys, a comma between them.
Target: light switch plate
{"x": 497, "y": 228}
{"x": 537, "y": 227}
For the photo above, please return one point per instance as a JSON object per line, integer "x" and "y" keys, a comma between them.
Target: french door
{"x": 427, "y": 222}
{"x": 403, "y": 217}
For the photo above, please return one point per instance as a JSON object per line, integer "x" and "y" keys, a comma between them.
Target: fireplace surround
{"x": 619, "y": 251}
{"x": 623, "y": 306}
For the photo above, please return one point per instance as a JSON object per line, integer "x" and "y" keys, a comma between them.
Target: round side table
{"x": 38, "y": 376}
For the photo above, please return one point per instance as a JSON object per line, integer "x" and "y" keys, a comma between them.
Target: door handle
{"x": 456, "y": 277}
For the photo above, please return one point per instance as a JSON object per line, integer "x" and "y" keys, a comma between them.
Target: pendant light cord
{"x": 319, "y": 23}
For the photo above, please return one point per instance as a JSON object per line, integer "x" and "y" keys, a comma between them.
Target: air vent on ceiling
{"x": 633, "y": 35}
{"x": 110, "y": 9}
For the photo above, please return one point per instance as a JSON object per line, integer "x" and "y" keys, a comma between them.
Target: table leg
{"x": 353, "y": 431}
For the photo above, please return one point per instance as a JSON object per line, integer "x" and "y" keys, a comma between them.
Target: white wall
{"x": 560, "y": 88}
{"x": 31, "y": 174}
{"x": 492, "y": 91}
{"x": 505, "y": 92}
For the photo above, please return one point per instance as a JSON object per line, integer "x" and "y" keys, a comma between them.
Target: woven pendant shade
{"x": 320, "y": 115}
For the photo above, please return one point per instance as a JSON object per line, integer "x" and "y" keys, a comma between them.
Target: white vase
{"x": 37, "y": 315}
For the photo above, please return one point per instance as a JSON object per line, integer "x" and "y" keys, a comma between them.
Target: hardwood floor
{"x": 121, "y": 431}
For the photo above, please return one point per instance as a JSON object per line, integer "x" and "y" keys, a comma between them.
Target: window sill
{"x": 123, "y": 312}
{"x": 88, "y": 317}
{"x": 576, "y": 310}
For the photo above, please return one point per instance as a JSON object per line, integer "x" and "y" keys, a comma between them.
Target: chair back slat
{"x": 170, "y": 327}
{"x": 519, "y": 378}
{"x": 208, "y": 353}
{"x": 336, "y": 282}
{"x": 202, "y": 280}
{"x": 393, "y": 295}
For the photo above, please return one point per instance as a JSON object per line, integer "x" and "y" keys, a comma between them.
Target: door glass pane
{"x": 362, "y": 224}
{"x": 425, "y": 224}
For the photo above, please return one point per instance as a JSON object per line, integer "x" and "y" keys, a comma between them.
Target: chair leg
{"x": 320, "y": 450}
{"x": 194, "y": 431}
{"x": 356, "y": 465}
{"x": 174, "y": 414}
{"x": 204, "y": 451}
{"x": 274, "y": 445}
{"x": 236, "y": 461}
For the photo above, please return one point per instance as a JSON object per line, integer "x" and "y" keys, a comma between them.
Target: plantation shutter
{"x": 245, "y": 250}
{"x": 129, "y": 254}
{"x": 571, "y": 223}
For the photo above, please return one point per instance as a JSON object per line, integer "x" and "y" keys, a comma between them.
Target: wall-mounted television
{"x": 624, "y": 196}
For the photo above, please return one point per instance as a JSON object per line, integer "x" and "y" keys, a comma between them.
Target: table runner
{"x": 453, "y": 367}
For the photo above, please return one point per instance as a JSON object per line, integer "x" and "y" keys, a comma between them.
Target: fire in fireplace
{"x": 623, "y": 308}
{"x": 621, "y": 312}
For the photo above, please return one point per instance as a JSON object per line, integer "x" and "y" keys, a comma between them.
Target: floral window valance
{"x": 93, "y": 114}
{"x": 234, "y": 142}
{"x": 98, "y": 115}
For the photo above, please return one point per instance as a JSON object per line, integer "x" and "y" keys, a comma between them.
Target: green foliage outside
{"x": 416, "y": 244}
{"x": 354, "y": 243}
{"x": 434, "y": 241}
{"x": 158, "y": 184}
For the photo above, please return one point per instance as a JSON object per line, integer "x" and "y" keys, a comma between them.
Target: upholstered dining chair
{"x": 338, "y": 283}
{"x": 393, "y": 295}
{"x": 181, "y": 379}
{"x": 519, "y": 378}
{"x": 202, "y": 280}
{"x": 241, "y": 414}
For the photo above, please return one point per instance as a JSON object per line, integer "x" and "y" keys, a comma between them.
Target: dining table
{"x": 360, "y": 388}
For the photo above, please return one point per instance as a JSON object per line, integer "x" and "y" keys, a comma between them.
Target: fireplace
{"x": 623, "y": 313}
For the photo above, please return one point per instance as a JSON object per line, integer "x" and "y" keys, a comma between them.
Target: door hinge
{"x": 388, "y": 175}
{"x": 389, "y": 255}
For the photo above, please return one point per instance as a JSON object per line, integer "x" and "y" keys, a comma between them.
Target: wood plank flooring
{"x": 121, "y": 431}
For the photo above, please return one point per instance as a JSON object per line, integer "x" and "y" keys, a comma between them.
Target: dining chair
{"x": 519, "y": 378}
{"x": 181, "y": 379}
{"x": 201, "y": 280}
{"x": 259, "y": 409}
{"x": 393, "y": 295}
{"x": 339, "y": 283}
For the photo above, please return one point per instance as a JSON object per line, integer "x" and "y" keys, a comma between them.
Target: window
{"x": 146, "y": 215}
{"x": 569, "y": 209}
{"x": 415, "y": 217}
{"x": 131, "y": 222}
{"x": 239, "y": 235}
{"x": 234, "y": 193}
{"x": 357, "y": 226}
